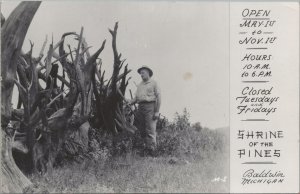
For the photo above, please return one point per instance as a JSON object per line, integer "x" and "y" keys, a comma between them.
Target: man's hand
{"x": 130, "y": 102}
{"x": 156, "y": 116}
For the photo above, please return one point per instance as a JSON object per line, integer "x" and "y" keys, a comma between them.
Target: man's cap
{"x": 147, "y": 68}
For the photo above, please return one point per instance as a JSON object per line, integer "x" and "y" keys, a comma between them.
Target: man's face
{"x": 145, "y": 74}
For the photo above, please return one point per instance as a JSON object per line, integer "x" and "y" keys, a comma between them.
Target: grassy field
{"x": 189, "y": 160}
{"x": 135, "y": 174}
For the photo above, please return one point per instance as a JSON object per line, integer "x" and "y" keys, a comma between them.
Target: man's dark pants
{"x": 146, "y": 124}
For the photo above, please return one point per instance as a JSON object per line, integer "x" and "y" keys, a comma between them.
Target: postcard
{"x": 149, "y": 96}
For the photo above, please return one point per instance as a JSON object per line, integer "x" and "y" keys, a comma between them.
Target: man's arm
{"x": 158, "y": 102}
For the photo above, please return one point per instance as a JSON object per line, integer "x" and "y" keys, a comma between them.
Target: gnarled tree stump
{"x": 14, "y": 30}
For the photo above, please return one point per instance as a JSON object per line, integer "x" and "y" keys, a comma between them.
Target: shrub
{"x": 182, "y": 121}
{"x": 177, "y": 138}
{"x": 191, "y": 142}
{"x": 181, "y": 138}
{"x": 197, "y": 126}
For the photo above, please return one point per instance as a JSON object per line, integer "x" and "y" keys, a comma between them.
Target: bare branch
{"x": 54, "y": 99}
{"x": 43, "y": 47}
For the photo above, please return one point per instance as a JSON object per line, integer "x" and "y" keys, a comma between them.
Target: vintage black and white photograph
{"x": 115, "y": 96}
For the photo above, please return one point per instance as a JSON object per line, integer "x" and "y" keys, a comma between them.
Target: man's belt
{"x": 146, "y": 102}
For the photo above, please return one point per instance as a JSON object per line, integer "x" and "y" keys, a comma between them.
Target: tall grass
{"x": 190, "y": 158}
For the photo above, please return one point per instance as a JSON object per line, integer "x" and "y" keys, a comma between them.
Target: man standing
{"x": 148, "y": 98}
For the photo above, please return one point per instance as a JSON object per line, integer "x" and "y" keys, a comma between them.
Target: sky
{"x": 185, "y": 43}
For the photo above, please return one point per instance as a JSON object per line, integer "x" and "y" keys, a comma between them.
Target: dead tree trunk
{"x": 12, "y": 37}
{"x": 54, "y": 126}
{"x": 13, "y": 180}
{"x": 13, "y": 33}
{"x": 109, "y": 97}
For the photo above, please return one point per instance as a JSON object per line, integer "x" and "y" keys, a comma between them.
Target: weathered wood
{"x": 12, "y": 179}
{"x": 13, "y": 33}
{"x": 40, "y": 113}
{"x": 109, "y": 97}
{"x": 117, "y": 60}
{"x": 2, "y": 19}
{"x": 87, "y": 75}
